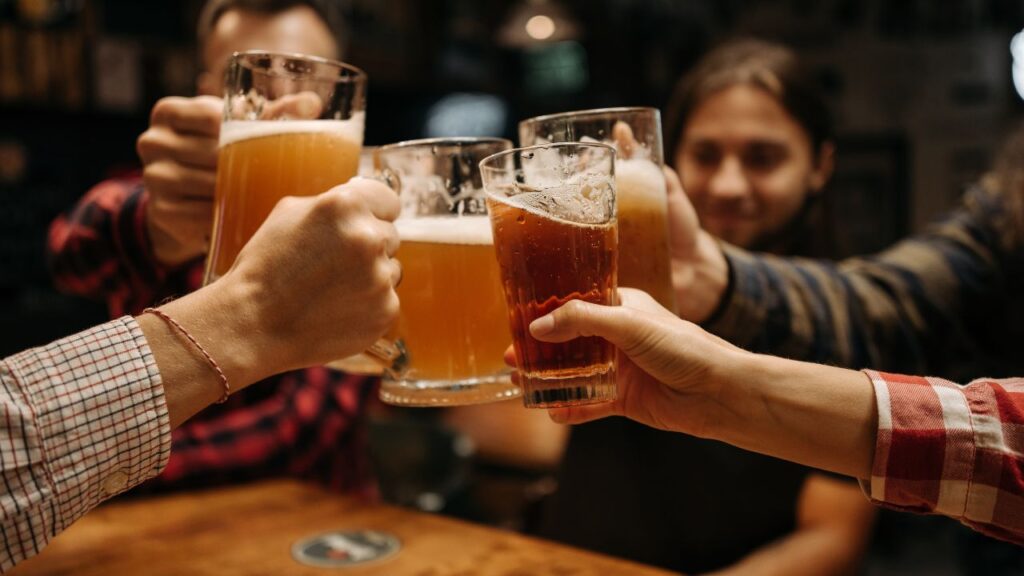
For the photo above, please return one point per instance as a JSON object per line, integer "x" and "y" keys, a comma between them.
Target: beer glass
{"x": 552, "y": 210}
{"x": 453, "y": 323}
{"x": 293, "y": 126}
{"x": 640, "y": 186}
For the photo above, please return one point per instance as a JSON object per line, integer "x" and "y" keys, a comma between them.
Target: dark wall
{"x": 921, "y": 90}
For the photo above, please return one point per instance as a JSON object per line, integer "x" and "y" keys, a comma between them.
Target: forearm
{"x": 820, "y": 416}
{"x": 822, "y": 551}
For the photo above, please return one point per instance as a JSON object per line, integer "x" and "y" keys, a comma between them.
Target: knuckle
{"x": 347, "y": 199}
{"x": 574, "y": 310}
{"x": 288, "y": 204}
{"x": 389, "y": 308}
{"x": 165, "y": 109}
{"x": 157, "y": 176}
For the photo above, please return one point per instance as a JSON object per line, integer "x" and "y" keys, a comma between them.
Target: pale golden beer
{"x": 643, "y": 237}
{"x": 453, "y": 321}
{"x": 644, "y": 260}
{"x": 261, "y": 162}
{"x": 292, "y": 126}
{"x": 453, "y": 324}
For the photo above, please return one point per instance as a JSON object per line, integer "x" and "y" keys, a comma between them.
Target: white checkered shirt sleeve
{"x": 81, "y": 420}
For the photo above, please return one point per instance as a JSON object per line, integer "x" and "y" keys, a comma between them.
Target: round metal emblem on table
{"x": 345, "y": 548}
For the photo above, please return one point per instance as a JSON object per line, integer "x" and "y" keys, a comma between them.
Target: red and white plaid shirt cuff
{"x": 97, "y": 423}
{"x": 946, "y": 449}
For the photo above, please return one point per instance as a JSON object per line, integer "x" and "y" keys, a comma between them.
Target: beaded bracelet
{"x": 209, "y": 359}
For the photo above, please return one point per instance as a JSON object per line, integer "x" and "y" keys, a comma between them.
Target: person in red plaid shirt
{"x": 90, "y": 416}
{"x": 136, "y": 241}
{"x": 948, "y": 300}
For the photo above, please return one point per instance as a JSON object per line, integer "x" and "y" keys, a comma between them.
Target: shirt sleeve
{"x": 919, "y": 307}
{"x": 946, "y": 449}
{"x": 101, "y": 248}
{"x": 83, "y": 419}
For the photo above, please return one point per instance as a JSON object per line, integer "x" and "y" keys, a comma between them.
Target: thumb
{"x": 578, "y": 318}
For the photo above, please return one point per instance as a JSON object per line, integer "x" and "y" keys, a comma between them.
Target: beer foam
{"x": 639, "y": 180}
{"x": 584, "y": 199}
{"x": 238, "y": 130}
{"x": 446, "y": 229}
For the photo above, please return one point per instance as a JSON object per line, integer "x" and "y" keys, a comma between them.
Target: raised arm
{"x": 124, "y": 236}
{"x": 920, "y": 306}
{"x": 917, "y": 444}
{"x": 89, "y": 416}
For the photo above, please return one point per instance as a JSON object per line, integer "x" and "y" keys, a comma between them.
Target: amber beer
{"x": 261, "y": 162}
{"x": 452, "y": 321}
{"x": 644, "y": 260}
{"x": 546, "y": 262}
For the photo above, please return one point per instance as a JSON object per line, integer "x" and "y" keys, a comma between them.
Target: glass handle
{"x": 392, "y": 356}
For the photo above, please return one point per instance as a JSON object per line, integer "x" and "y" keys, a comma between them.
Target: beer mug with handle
{"x": 453, "y": 324}
{"x": 293, "y": 126}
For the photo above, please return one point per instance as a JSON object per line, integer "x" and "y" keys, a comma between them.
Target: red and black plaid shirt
{"x": 303, "y": 423}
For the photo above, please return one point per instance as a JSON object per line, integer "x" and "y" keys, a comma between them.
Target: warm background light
{"x": 540, "y": 27}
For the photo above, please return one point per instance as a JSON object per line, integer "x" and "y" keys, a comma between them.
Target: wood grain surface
{"x": 250, "y": 530}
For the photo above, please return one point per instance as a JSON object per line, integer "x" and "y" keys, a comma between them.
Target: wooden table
{"x": 250, "y": 530}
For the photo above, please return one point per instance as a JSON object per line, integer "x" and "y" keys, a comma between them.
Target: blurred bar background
{"x": 922, "y": 92}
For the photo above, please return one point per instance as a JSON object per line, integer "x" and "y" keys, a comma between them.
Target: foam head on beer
{"x": 262, "y": 161}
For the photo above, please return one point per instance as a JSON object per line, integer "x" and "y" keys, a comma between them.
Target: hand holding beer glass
{"x": 293, "y": 126}
{"x": 640, "y": 186}
{"x": 552, "y": 211}
{"x": 453, "y": 323}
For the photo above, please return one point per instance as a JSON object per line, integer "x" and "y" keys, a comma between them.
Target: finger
{"x": 396, "y": 272}
{"x": 391, "y": 239}
{"x": 640, "y": 300}
{"x": 672, "y": 182}
{"x": 622, "y": 327}
{"x": 184, "y": 211}
{"x": 625, "y": 142}
{"x": 381, "y": 200}
{"x": 584, "y": 413}
{"x": 168, "y": 178}
{"x": 510, "y": 356}
{"x": 679, "y": 205}
{"x": 302, "y": 106}
{"x": 188, "y": 149}
{"x": 200, "y": 115}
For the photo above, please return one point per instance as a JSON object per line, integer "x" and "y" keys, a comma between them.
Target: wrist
{"x": 701, "y": 283}
{"x": 221, "y": 317}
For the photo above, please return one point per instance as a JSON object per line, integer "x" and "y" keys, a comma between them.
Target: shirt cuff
{"x": 925, "y": 450}
{"x": 99, "y": 405}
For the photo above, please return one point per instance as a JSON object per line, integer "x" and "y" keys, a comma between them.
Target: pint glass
{"x": 640, "y": 186}
{"x": 453, "y": 324}
{"x": 552, "y": 212}
{"x": 293, "y": 126}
